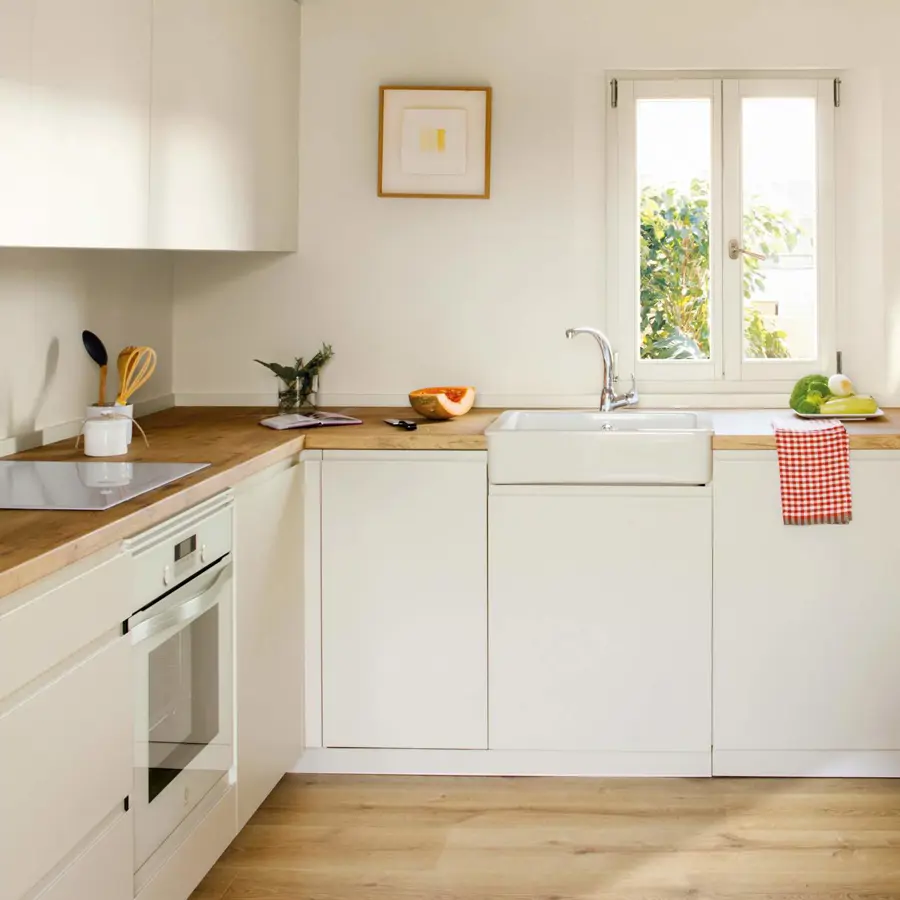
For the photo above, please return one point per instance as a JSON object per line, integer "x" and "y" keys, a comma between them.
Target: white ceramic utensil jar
{"x": 98, "y": 412}
{"x": 106, "y": 436}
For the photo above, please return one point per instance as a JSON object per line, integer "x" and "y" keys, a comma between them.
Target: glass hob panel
{"x": 26, "y": 484}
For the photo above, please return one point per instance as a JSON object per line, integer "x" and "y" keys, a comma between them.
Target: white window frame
{"x": 726, "y": 370}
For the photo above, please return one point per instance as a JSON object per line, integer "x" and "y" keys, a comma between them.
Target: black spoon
{"x": 97, "y": 352}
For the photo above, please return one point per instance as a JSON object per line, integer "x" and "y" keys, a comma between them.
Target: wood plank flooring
{"x": 387, "y": 838}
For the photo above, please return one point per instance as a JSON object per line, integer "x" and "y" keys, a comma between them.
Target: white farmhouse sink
{"x": 624, "y": 447}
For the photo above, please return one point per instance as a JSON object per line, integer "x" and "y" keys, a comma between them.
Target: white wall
{"x": 419, "y": 292}
{"x": 47, "y": 297}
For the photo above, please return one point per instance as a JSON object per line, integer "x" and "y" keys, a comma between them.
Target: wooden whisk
{"x": 135, "y": 371}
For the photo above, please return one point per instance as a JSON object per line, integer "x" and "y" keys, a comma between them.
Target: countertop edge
{"x": 400, "y": 441}
{"x": 732, "y": 442}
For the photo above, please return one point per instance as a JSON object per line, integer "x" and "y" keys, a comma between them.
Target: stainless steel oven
{"x": 184, "y": 672}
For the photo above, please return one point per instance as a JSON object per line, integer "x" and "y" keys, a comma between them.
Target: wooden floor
{"x": 333, "y": 838}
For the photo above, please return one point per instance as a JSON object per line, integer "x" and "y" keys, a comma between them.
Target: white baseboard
{"x": 498, "y": 401}
{"x": 807, "y": 763}
{"x": 66, "y": 430}
{"x": 325, "y": 761}
{"x": 722, "y": 763}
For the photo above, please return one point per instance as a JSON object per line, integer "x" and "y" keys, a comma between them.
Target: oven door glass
{"x": 183, "y": 727}
{"x": 183, "y": 700}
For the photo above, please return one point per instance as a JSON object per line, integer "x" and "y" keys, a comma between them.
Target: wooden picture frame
{"x": 434, "y": 142}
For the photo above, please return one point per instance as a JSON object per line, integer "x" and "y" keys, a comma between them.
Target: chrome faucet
{"x": 609, "y": 399}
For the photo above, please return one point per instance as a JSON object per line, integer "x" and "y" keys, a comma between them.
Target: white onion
{"x": 840, "y": 385}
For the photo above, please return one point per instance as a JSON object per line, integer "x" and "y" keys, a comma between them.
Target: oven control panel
{"x": 186, "y": 555}
{"x": 172, "y": 552}
{"x": 183, "y": 549}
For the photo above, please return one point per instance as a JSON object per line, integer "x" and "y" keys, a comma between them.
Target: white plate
{"x": 858, "y": 418}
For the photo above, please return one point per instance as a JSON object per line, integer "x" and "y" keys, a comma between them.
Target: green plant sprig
{"x": 305, "y": 373}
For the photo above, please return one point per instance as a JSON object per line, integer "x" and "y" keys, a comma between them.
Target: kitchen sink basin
{"x": 623, "y": 447}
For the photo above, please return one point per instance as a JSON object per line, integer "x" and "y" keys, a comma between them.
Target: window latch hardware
{"x": 735, "y": 250}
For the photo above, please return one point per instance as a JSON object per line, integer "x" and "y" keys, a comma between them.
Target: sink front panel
{"x": 564, "y": 447}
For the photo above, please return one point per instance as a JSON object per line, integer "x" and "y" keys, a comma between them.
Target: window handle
{"x": 735, "y": 250}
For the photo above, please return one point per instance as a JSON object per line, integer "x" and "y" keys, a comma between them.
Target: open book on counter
{"x": 313, "y": 420}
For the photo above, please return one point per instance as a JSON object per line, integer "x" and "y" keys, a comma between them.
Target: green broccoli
{"x": 809, "y": 394}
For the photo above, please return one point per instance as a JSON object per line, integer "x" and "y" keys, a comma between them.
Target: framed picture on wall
{"x": 435, "y": 142}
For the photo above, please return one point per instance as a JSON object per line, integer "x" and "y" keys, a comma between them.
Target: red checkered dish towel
{"x": 814, "y": 463}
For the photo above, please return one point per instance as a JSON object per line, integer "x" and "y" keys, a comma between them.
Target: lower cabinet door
{"x": 103, "y": 871}
{"x": 807, "y": 626}
{"x": 269, "y": 632}
{"x": 600, "y": 617}
{"x": 404, "y": 600}
{"x": 66, "y": 763}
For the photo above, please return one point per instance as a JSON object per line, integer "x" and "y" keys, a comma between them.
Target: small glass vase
{"x": 306, "y": 404}
{"x": 297, "y": 396}
{"x": 288, "y": 397}
{"x": 307, "y": 389}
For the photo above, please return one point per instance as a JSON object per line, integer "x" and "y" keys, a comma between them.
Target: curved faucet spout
{"x": 609, "y": 400}
{"x": 594, "y": 332}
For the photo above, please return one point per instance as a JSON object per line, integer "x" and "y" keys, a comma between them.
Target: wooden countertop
{"x": 466, "y": 433}
{"x": 36, "y": 544}
{"x": 735, "y": 429}
{"x": 751, "y": 429}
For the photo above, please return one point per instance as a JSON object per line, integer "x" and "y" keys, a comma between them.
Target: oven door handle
{"x": 182, "y": 614}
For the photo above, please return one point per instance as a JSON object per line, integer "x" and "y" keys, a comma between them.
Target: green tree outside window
{"x": 675, "y": 274}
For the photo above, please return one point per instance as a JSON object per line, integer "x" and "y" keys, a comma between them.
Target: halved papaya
{"x": 442, "y": 402}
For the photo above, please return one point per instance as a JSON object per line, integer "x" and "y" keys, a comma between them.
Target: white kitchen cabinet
{"x": 16, "y": 224}
{"x": 90, "y": 122}
{"x": 600, "y": 621}
{"x": 269, "y": 634}
{"x": 807, "y": 623}
{"x": 74, "y": 122}
{"x": 225, "y": 119}
{"x": 66, "y": 758}
{"x": 82, "y": 601}
{"x": 66, "y": 734}
{"x": 169, "y": 124}
{"x": 404, "y": 603}
{"x": 104, "y": 870}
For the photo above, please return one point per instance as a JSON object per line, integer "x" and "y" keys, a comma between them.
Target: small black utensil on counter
{"x": 405, "y": 424}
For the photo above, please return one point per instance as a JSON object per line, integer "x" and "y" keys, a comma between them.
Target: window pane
{"x": 779, "y": 191}
{"x": 674, "y": 164}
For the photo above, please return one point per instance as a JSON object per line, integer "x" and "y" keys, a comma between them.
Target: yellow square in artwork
{"x": 433, "y": 140}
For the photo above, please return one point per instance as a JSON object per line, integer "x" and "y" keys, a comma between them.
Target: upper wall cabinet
{"x": 225, "y": 112}
{"x": 162, "y": 124}
{"x": 74, "y": 122}
{"x": 15, "y": 94}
